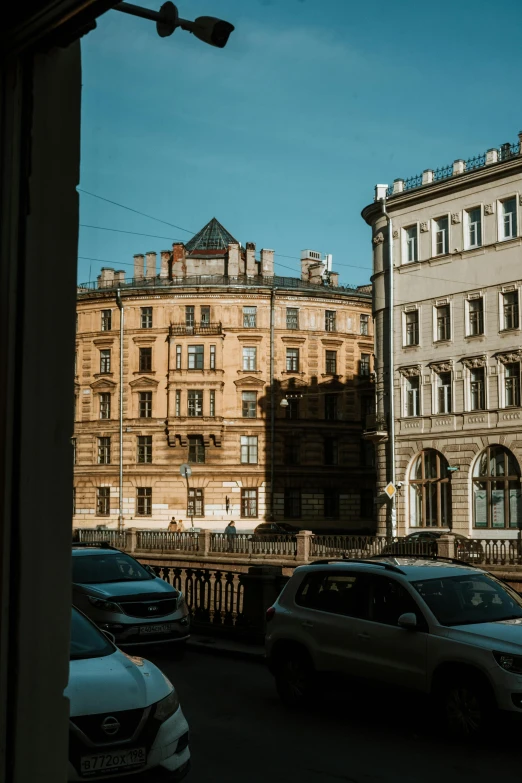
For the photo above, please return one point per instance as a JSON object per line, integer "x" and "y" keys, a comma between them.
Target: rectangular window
{"x": 146, "y": 317}
{"x": 104, "y": 451}
{"x": 331, "y": 362}
{"x": 364, "y": 324}
{"x": 103, "y": 501}
{"x": 144, "y": 449}
{"x": 106, "y": 320}
{"x": 105, "y": 360}
{"x": 178, "y": 402}
{"x": 144, "y": 501}
{"x": 444, "y": 392}
{"x": 195, "y": 357}
{"x": 292, "y": 451}
{"x": 364, "y": 364}
{"x": 178, "y": 357}
{"x": 249, "y": 449}
{"x": 411, "y": 321}
{"x": 196, "y": 449}
{"x": 205, "y": 315}
{"x": 473, "y": 227}
{"x": 330, "y": 318}
{"x": 292, "y": 409}
{"x": 508, "y": 225}
{"x": 292, "y": 359}
{"x": 411, "y": 243}
{"x": 145, "y": 359}
{"x": 331, "y": 451}
{"x": 443, "y": 322}
{"x": 195, "y": 503}
{"x": 249, "y": 358}
{"x": 330, "y": 407}
{"x": 73, "y": 443}
{"x": 195, "y": 403}
{"x": 189, "y": 315}
{"x": 412, "y": 396}
{"x": 250, "y": 317}
{"x": 510, "y": 310}
{"x": 292, "y": 318}
{"x": 477, "y": 389}
{"x": 249, "y": 404}
{"x": 249, "y": 503}
{"x": 331, "y": 504}
{"x": 212, "y": 357}
{"x": 145, "y": 405}
{"x": 105, "y": 405}
{"x": 476, "y": 316}
{"x": 292, "y": 503}
{"x": 512, "y": 385}
{"x": 212, "y": 402}
{"x": 441, "y": 236}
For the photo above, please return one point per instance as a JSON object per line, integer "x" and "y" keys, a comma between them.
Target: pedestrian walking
{"x": 230, "y": 532}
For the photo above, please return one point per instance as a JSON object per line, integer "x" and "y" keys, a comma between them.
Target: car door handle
{"x": 307, "y": 624}
{"x": 363, "y": 635}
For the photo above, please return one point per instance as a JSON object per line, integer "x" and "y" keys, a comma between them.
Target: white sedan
{"x": 125, "y": 715}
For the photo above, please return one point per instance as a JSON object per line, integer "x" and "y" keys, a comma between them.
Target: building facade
{"x": 452, "y": 352}
{"x": 202, "y": 340}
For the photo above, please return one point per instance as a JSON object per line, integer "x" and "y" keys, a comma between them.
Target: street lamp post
{"x": 186, "y": 472}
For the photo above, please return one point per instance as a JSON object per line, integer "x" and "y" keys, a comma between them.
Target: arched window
{"x": 496, "y": 489}
{"x": 430, "y": 491}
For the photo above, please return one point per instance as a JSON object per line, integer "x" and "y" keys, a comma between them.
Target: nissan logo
{"x": 110, "y": 725}
{"x": 152, "y": 608}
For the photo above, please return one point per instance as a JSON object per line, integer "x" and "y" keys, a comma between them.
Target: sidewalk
{"x": 226, "y": 648}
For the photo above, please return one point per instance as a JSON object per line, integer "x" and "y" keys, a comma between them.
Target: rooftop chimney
{"x": 106, "y": 278}
{"x": 165, "y": 256}
{"x": 179, "y": 264}
{"x": 251, "y": 268}
{"x": 267, "y": 263}
{"x": 151, "y": 265}
{"x": 119, "y": 276}
{"x": 233, "y": 261}
{"x": 139, "y": 259}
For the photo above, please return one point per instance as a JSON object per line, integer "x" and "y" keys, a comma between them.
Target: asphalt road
{"x": 240, "y": 733}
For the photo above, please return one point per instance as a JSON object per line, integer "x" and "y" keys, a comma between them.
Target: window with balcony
{"x": 212, "y": 357}
{"x": 249, "y": 404}
{"x": 212, "y": 402}
{"x": 510, "y": 315}
{"x": 104, "y": 451}
{"x": 145, "y": 364}
{"x": 292, "y": 359}
{"x": 331, "y": 362}
{"x": 105, "y": 361}
{"x": 249, "y": 358}
{"x": 250, "y": 317}
{"x": 364, "y": 324}
{"x": 195, "y": 403}
{"x": 145, "y": 405}
{"x": 144, "y": 501}
{"x": 476, "y": 316}
{"x": 444, "y": 392}
{"x": 144, "y": 449}
{"x": 411, "y": 328}
{"x": 196, "y": 449}
{"x": 105, "y": 405}
{"x": 411, "y": 243}
{"x": 292, "y": 503}
{"x": 443, "y": 315}
{"x": 249, "y": 449}
{"x": 205, "y": 315}
{"x": 146, "y": 317}
{"x": 195, "y": 503}
{"x": 292, "y": 451}
{"x": 178, "y": 357}
{"x": 331, "y": 503}
{"x": 477, "y": 388}
{"x": 473, "y": 228}
{"x": 292, "y": 318}
{"x": 196, "y": 357}
{"x": 364, "y": 365}
{"x": 330, "y": 407}
{"x": 508, "y": 218}
{"x": 330, "y": 321}
{"x": 189, "y": 315}
{"x": 512, "y": 385}
{"x": 103, "y": 501}
{"x": 106, "y": 320}
{"x": 441, "y": 236}
{"x": 249, "y": 503}
{"x": 331, "y": 451}
{"x": 412, "y": 396}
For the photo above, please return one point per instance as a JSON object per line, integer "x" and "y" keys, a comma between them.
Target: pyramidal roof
{"x": 213, "y": 236}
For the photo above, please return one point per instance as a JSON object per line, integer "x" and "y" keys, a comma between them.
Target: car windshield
{"x": 86, "y": 640}
{"x": 473, "y": 598}
{"x": 99, "y": 568}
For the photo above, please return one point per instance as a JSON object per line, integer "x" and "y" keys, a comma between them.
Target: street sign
{"x": 185, "y": 470}
{"x": 390, "y": 490}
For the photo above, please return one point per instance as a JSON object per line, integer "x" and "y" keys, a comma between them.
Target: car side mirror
{"x": 408, "y": 621}
{"x": 110, "y": 636}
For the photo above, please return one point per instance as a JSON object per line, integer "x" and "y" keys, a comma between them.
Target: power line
{"x": 136, "y": 211}
{"x": 126, "y": 263}
{"x": 134, "y": 233}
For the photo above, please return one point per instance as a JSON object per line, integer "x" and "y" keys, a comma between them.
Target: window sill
{"x": 480, "y": 336}
{"x": 245, "y": 372}
{"x": 292, "y": 372}
{"x": 103, "y": 374}
{"x": 410, "y": 347}
{"x": 512, "y": 330}
{"x": 330, "y": 375}
{"x": 444, "y": 341}
{"x": 144, "y": 372}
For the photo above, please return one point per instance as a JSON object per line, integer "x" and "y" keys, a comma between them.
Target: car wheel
{"x": 294, "y": 677}
{"x": 468, "y": 706}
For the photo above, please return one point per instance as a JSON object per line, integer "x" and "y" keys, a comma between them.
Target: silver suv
{"x": 127, "y": 599}
{"x": 430, "y": 625}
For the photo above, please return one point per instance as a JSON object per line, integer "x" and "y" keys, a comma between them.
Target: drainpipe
{"x": 120, "y": 511}
{"x": 272, "y": 401}
{"x": 391, "y": 374}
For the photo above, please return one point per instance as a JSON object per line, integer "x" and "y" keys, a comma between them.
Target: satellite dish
{"x": 185, "y": 470}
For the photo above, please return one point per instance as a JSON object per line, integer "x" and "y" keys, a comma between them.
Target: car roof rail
{"x": 431, "y": 557}
{"x": 94, "y": 545}
{"x": 366, "y": 561}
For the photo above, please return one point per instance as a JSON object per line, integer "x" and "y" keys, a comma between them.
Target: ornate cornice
{"x": 378, "y": 238}
{"x": 410, "y": 372}
{"x": 510, "y": 357}
{"x": 473, "y": 362}
{"x": 445, "y": 366}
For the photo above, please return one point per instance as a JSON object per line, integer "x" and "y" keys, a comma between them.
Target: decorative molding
{"x": 473, "y": 362}
{"x": 488, "y": 209}
{"x": 410, "y": 372}
{"x": 510, "y": 358}
{"x": 144, "y": 383}
{"x": 424, "y": 227}
{"x": 103, "y": 383}
{"x": 446, "y": 366}
{"x": 378, "y": 238}
{"x": 455, "y": 218}
{"x": 104, "y": 342}
{"x": 147, "y": 340}
{"x": 396, "y": 232}
{"x": 249, "y": 381}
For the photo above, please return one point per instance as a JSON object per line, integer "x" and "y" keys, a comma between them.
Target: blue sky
{"x": 283, "y": 134}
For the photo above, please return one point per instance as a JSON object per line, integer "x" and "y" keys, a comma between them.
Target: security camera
{"x": 208, "y": 29}
{"x": 399, "y": 484}
{"x": 215, "y": 32}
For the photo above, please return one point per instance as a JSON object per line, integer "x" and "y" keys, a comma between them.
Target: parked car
{"x": 442, "y": 628}
{"x": 272, "y": 530}
{"x": 127, "y": 598}
{"x": 125, "y": 715}
{"x": 424, "y": 542}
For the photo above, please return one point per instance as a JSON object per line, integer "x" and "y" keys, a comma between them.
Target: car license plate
{"x": 153, "y": 629}
{"x": 114, "y": 761}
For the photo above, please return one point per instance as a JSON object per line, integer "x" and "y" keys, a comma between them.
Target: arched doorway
{"x": 496, "y": 490}
{"x": 430, "y": 490}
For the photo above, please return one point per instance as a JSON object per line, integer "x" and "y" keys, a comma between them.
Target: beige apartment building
{"x": 203, "y": 338}
{"x": 453, "y": 240}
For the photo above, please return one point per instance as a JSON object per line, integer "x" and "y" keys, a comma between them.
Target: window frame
{"x": 435, "y": 230}
{"x": 105, "y": 404}
{"x": 414, "y": 331}
{"x": 331, "y": 407}
{"x": 143, "y": 449}
{"x": 365, "y": 365}
{"x": 249, "y": 358}
{"x": 489, "y": 479}
{"x": 212, "y": 356}
{"x": 447, "y": 398}
{"x": 249, "y": 318}
{"x": 103, "y": 501}
{"x": 330, "y": 362}
{"x": 290, "y": 322}
{"x": 195, "y": 398}
{"x": 292, "y": 359}
{"x": 467, "y": 227}
{"x": 145, "y": 358}
{"x": 445, "y": 334}
{"x": 408, "y": 387}
{"x": 475, "y": 315}
{"x": 190, "y": 316}
{"x": 406, "y": 246}
{"x": 143, "y": 501}
{"x": 516, "y": 385}
{"x": 196, "y": 454}
{"x": 106, "y": 320}
{"x": 196, "y": 357}
{"x": 471, "y": 391}
{"x": 330, "y": 320}
{"x": 516, "y": 310}
{"x": 501, "y": 218}
{"x": 144, "y": 405}
{"x": 426, "y": 482}
{"x": 292, "y": 503}
{"x": 195, "y": 502}
{"x": 246, "y": 503}
{"x": 245, "y": 404}
{"x": 249, "y": 448}
{"x": 105, "y": 361}
{"x": 145, "y": 317}
{"x": 104, "y": 450}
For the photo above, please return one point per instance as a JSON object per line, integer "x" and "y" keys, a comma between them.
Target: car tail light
{"x": 270, "y": 613}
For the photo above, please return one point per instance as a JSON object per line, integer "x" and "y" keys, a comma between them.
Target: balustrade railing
{"x": 489, "y": 551}
{"x": 224, "y": 544}
{"x": 112, "y": 537}
{"x": 274, "y": 546}
{"x": 167, "y": 541}
{"x": 350, "y": 546}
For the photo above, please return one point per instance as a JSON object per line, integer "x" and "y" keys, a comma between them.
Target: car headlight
{"x": 105, "y": 606}
{"x": 511, "y": 663}
{"x": 167, "y": 706}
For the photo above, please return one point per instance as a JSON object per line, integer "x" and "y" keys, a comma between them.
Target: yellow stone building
{"x": 202, "y": 338}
